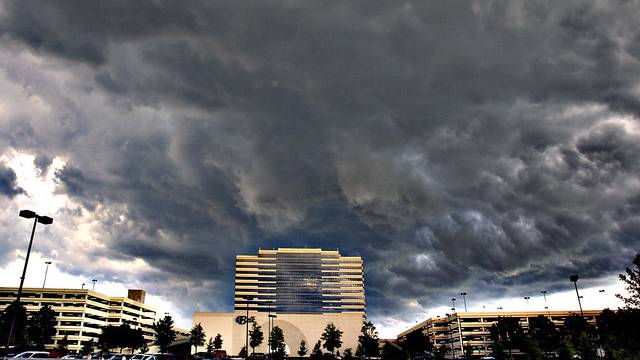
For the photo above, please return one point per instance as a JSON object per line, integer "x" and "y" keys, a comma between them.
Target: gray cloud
{"x": 8, "y": 184}
{"x": 490, "y": 146}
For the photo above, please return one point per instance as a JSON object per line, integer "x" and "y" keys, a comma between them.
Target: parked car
{"x": 115, "y": 357}
{"x": 220, "y": 354}
{"x": 73, "y": 356}
{"x": 32, "y": 355}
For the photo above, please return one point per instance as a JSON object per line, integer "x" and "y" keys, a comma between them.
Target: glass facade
{"x": 299, "y": 281}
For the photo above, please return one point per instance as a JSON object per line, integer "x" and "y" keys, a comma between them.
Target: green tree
{"x": 368, "y": 341}
{"x": 542, "y": 334}
{"x": 19, "y": 334}
{"x": 302, "y": 351}
{"x": 255, "y": 337}
{"x": 88, "y": 347}
{"x": 348, "y": 355}
{"x": 131, "y": 338}
{"x": 565, "y": 348}
{"x": 144, "y": 348}
{"x": 165, "y": 334}
{"x": 276, "y": 342}
{"x": 582, "y": 336}
{"x": 197, "y": 336}
{"x": 217, "y": 342}
{"x": 316, "y": 353}
{"x": 620, "y": 332}
{"x": 243, "y": 352}
{"x": 507, "y": 334}
{"x": 122, "y": 336}
{"x": 416, "y": 343}
{"x": 63, "y": 344}
{"x": 331, "y": 337}
{"x": 392, "y": 352}
{"x": 632, "y": 281}
{"x": 41, "y": 327}
{"x": 468, "y": 351}
{"x": 440, "y": 352}
{"x": 210, "y": 346}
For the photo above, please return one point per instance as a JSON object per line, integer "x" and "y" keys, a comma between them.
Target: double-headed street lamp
{"x": 44, "y": 220}
{"x": 527, "y": 298}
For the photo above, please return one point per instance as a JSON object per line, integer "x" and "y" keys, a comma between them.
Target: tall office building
{"x": 301, "y": 281}
{"x": 302, "y": 290}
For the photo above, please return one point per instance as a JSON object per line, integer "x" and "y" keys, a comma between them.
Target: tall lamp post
{"x": 453, "y": 301}
{"x": 271, "y": 317}
{"x": 464, "y": 298}
{"x": 44, "y": 220}
{"x": 574, "y": 279}
{"x": 246, "y": 336}
{"x": 46, "y": 270}
{"x": 527, "y": 298}
{"x": 544, "y": 294}
{"x": 94, "y": 284}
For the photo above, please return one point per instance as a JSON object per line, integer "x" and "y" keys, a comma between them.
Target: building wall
{"x": 295, "y": 327}
{"x": 81, "y": 312}
{"x": 473, "y": 328}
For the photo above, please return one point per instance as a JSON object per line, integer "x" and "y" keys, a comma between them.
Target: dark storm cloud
{"x": 8, "y": 184}
{"x": 490, "y": 146}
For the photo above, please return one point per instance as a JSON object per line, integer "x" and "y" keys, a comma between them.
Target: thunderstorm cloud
{"x": 492, "y": 146}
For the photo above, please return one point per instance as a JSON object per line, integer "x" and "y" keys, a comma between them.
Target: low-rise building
{"x": 457, "y": 330}
{"x": 81, "y": 313}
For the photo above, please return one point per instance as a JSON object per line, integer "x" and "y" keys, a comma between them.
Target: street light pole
{"x": 45, "y": 220}
{"x": 574, "y": 279}
{"x": 246, "y": 339}
{"x": 94, "y": 284}
{"x": 271, "y": 319}
{"x": 527, "y": 298}
{"x": 464, "y": 298}
{"x": 453, "y": 301}
{"x": 544, "y": 294}
{"x": 46, "y": 270}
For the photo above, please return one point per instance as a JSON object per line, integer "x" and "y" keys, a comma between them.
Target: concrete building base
{"x": 296, "y": 327}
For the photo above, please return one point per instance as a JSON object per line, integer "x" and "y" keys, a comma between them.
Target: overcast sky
{"x": 491, "y": 147}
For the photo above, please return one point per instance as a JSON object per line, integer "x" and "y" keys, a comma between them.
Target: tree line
{"x": 330, "y": 340}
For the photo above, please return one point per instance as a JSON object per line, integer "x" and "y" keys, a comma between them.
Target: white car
{"x": 32, "y": 355}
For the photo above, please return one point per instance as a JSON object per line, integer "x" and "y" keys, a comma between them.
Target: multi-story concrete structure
{"x": 461, "y": 329}
{"x": 81, "y": 313}
{"x": 305, "y": 289}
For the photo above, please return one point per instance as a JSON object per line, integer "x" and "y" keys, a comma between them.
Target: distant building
{"x": 305, "y": 289}
{"x": 81, "y": 312}
{"x": 458, "y": 330}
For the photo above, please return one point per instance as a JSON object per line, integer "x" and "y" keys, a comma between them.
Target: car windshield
{"x": 23, "y": 355}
